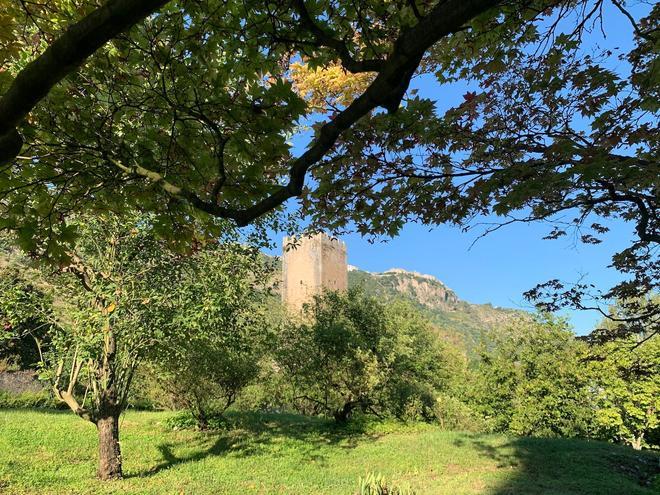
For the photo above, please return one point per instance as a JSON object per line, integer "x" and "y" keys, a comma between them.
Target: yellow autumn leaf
{"x": 327, "y": 87}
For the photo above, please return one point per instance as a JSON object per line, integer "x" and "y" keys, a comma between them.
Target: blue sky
{"x": 498, "y": 268}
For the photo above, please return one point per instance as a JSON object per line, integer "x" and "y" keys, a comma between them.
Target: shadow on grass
{"x": 250, "y": 434}
{"x": 568, "y": 467}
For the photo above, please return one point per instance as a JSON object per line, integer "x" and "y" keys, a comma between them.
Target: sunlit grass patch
{"x": 55, "y": 453}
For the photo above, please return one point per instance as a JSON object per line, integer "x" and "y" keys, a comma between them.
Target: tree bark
{"x": 109, "y": 411}
{"x": 109, "y": 449}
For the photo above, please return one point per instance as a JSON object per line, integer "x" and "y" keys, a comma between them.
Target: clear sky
{"x": 501, "y": 266}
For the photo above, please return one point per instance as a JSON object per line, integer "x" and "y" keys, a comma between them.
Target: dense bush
{"x": 452, "y": 413}
{"x": 626, "y": 375}
{"x": 537, "y": 379}
{"x": 270, "y": 392}
{"x": 532, "y": 381}
{"x": 220, "y": 331}
{"x": 352, "y": 353}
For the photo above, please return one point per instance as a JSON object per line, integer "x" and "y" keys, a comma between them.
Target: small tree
{"x": 421, "y": 366}
{"x": 532, "y": 381}
{"x": 353, "y": 353}
{"x": 111, "y": 306}
{"x": 626, "y": 373}
{"x": 220, "y": 330}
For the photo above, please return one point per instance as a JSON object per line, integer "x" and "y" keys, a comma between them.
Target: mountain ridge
{"x": 456, "y": 318}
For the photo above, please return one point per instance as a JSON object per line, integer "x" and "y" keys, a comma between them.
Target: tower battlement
{"x": 311, "y": 265}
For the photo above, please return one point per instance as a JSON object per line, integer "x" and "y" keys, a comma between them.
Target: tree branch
{"x": 67, "y": 396}
{"x": 327, "y": 39}
{"x": 385, "y": 91}
{"x": 61, "y": 58}
{"x": 646, "y": 35}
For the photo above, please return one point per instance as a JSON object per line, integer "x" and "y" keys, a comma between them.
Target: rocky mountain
{"x": 456, "y": 319}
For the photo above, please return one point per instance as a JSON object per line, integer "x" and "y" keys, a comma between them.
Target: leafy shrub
{"x": 532, "y": 381}
{"x": 376, "y": 484}
{"x": 627, "y": 385}
{"x": 414, "y": 409}
{"x": 218, "y": 338}
{"x": 29, "y": 400}
{"x": 271, "y": 393}
{"x": 453, "y": 414}
{"x": 410, "y": 401}
{"x": 185, "y": 420}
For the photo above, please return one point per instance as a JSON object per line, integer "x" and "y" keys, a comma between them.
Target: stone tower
{"x": 314, "y": 264}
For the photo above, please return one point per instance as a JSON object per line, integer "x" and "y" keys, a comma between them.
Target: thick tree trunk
{"x": 109, "y": 450}
{"x": 109, "y": 410}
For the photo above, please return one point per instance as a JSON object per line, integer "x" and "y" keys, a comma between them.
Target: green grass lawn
{"x": 55, "y": 453}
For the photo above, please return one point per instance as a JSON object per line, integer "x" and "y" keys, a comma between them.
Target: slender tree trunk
{"x": 109, "y": 450}
{"x": 637, "y": 442}
{"x": 201, "y": 418}
{"x": 198, "y": 409}
{"x": 343, "y": 415}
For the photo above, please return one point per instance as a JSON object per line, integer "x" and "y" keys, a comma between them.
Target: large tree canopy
{"x": 190, "y": 108}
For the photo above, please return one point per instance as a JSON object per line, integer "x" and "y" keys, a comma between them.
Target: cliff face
{"x": 455, "y": 318}
{"x": 425, "y": 290}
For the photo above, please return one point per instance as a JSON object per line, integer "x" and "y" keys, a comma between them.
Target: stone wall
{"x": 18, "y": 382}
{"x": 310, "y": 265}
